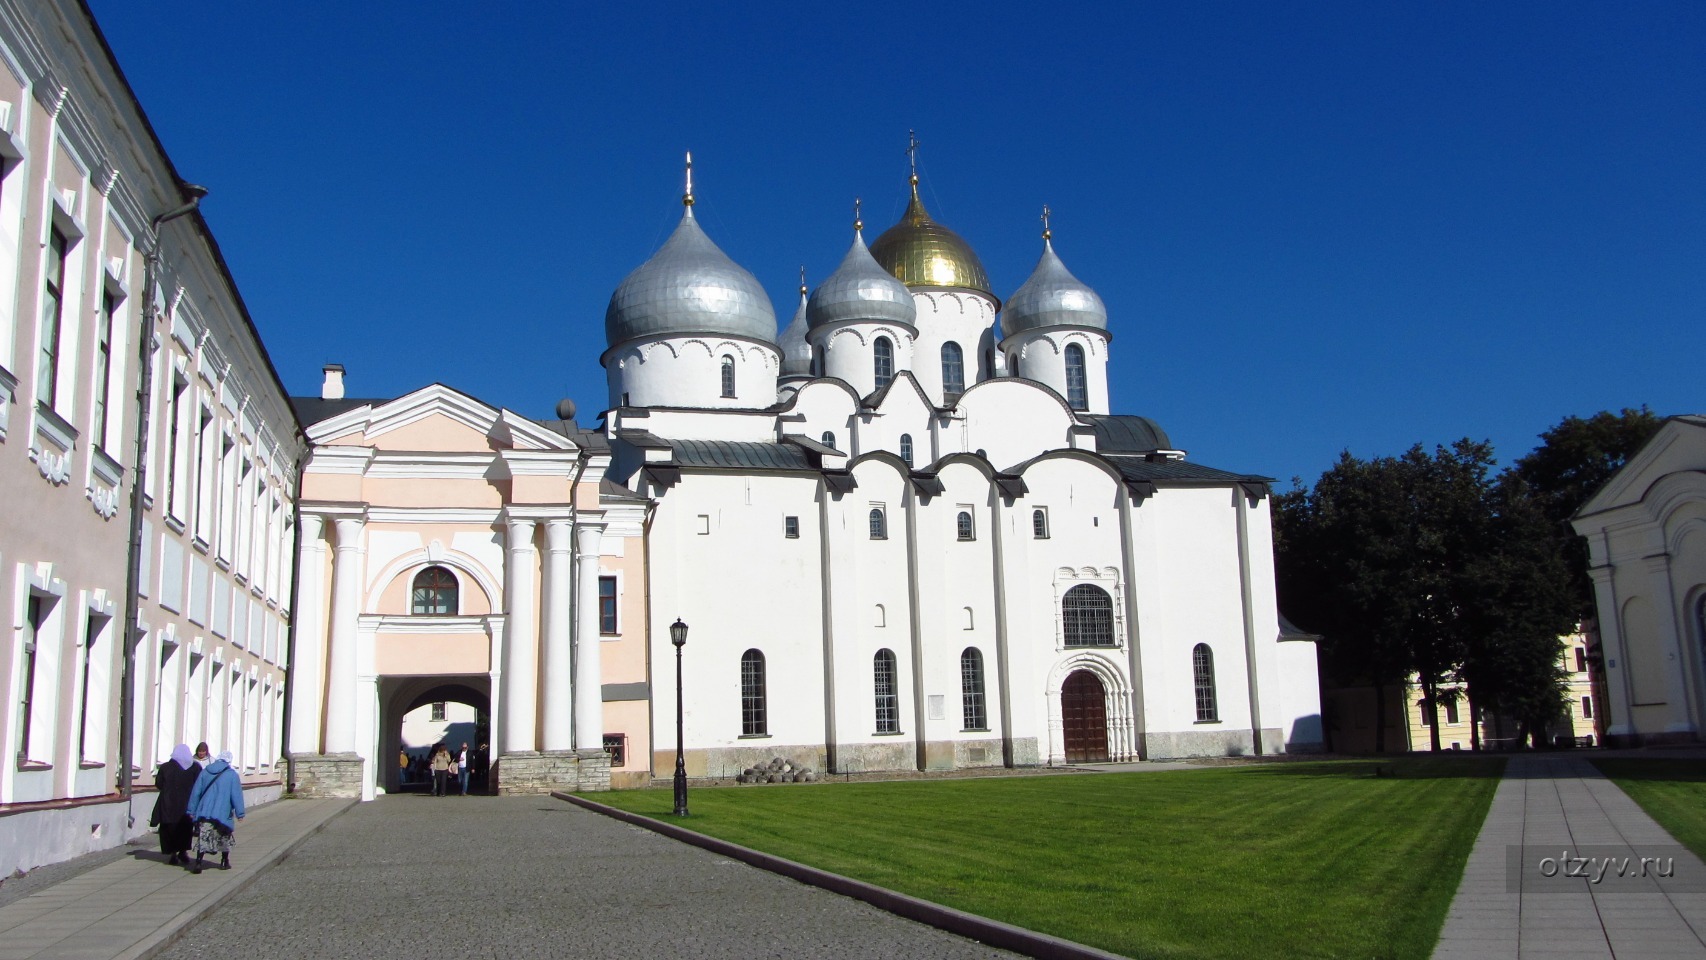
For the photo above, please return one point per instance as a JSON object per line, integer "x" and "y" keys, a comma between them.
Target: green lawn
{"x": 1673, "y": 792}
{"x": 1319, "y": 859}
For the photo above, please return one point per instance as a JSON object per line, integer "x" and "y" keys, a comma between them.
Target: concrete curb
{"x": 968, "y": 925}
{"x": 174, "y": 929}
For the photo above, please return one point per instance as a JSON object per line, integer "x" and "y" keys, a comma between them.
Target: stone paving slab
{"x": 1563, "y": 809}
{"x": 418, "y": 878}
{"x": 131, "y": 908}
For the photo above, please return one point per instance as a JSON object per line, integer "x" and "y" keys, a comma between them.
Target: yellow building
{"x": 1455, "y": 732}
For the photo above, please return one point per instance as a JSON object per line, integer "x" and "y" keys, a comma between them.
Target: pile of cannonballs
{"x": 777, "y": 770}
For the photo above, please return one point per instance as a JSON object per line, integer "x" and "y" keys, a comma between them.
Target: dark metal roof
{"x": 1168, "y": 470}
{"x": 821, "y": 449}
{"x": 1127, "y": 434}
{"x": 642, "y": 438}
{"x": 609, "y": 489}
{"x": 1291, "y": 631}
{"x": 590, "y": 440}
{"x": 740, "y": 454}
{"x": 311, "y": 410}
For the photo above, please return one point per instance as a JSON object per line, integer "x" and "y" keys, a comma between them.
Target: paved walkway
{"x": 416, "y": 877}
{"x": 131, "y": 907}
{"x": 1518, "y": 900}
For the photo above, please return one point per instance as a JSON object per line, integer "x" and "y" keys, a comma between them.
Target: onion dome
{"x": 689, "y": 287}
{"x": 796, "y": 352}
{"x": 860, "y": 289}
{"x": 1052, "y": 297}
{"x": 922, "y": 253}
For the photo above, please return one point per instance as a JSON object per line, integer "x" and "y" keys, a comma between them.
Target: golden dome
{"x": 922, "y": 253}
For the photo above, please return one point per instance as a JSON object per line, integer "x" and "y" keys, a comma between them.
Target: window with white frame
{"x": 972, "y": 708}
{"x": 52, "y": 320}
{"x": 1087, "y": 616}
{"x": 879, "y": 523}
{"x": 828, "y": 439}
{"x": 607, "y": 606}
{"x": 953, "y": 371}
{"x": 1077, "y": 393}
{"x": 175, "y": 495}
{"x": 1202, "y": 666}
{"x": 35, "y": 615}
{"x": 99, "y": 410}
{"x": 1039, "y": 523}
{"x": 434, "y": 593}
{"x": 887, "y": 691}
{"x": 906, "y": 448}
{"x": 205, "y": 464}
{"x": 728, "y": 376}
{"x": 882, "y": 361}
{"x": 753, "y": 720}
{"x": 963, "y": 528}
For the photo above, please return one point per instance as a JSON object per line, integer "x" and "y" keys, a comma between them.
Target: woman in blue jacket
{"x": 216, "y": 804}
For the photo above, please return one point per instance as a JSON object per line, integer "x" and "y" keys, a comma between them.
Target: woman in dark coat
{"x": 175, "y": 779}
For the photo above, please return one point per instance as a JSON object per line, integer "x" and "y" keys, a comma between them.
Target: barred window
{"x": 435, "y": 593}
{"x": 616, "y": 744}
{"x": 829, "y": 439}
{"x": 953, "y": 372}
{"x": 1039, "y": 524}
{"x": 963, "y": 527}
{"x": 888, "y": 699}
{"x": 438, "y": 712}
{"x": 1202, "y": 663}
{"x": 1087, "y": 613}
{"x": 879, "y": 524}
{"x": 728, "y": 376}
{"x": 906, "y": 448}
{"x": 971, "y": 690}
{"x": 882, "y": 361}
{"x": 752, "y": 703}
{"x": 1077, "y": 396}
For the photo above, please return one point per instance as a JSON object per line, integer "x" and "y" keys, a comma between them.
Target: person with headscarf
{"x": 175, "y": 779}
{"x": 216, "y": 803}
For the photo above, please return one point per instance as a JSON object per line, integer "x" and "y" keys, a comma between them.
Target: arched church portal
{"x": 401, "y": 697}
{"x": 1084, "y": 717}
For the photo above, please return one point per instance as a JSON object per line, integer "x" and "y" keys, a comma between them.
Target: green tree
{"x": 1574, "y": 459}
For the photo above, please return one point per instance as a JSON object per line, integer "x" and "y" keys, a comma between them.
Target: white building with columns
{"x": 1646, "y": 532}
{"x": 452, "y": 551}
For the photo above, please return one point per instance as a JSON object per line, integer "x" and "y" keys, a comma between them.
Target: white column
{"x": 521, "y": 649}
{"x": 589, "y": 671}
{"x": 341, "y": 659}
{"x": 308, "y": 679}
{"x": 558, "y": 655}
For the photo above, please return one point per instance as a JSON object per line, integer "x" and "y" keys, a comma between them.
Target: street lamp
{"x": 678, "y": 636}
{"x": 192, "y": 194}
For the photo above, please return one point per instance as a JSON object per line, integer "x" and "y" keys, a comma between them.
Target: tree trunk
{"x": 1379, "y": 717}
{"x": 1428, "y": 689}
{"x": 1474, "y": 721}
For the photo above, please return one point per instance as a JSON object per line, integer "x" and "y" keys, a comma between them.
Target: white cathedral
{"x": 905, "y": 534}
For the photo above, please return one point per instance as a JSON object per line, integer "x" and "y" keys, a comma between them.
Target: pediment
{"x": 1679, "y": 446}
{"x": 440, "y": 419}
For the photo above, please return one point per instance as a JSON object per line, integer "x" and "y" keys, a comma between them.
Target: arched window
{"x": 1087, "y": 613}
{"x": 882, "y": 360}
{"x": 1039, "y": 524}
{"x": 888, "y": 697}
{"x": 829, "y": 439}
{"x": 953, "y": 371}
{"x": 906, "y": 448}
{"x": 1202, "y": 663}
{"x": 435, "y": 593}
{"x": 752, "y": 715}
{"x": 963, "y": 527}
{"x": 1077, "y": 396}
{"x": 728, "y": 376}
{"x": 971, "y": 690}
{"x": 879, "y": 524}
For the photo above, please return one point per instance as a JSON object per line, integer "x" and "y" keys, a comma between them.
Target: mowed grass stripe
{"x": 1672, "y": 791}
{"x": 1320, "y": 859}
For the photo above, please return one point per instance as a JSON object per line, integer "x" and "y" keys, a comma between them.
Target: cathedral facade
{"x": 904, "y": 533}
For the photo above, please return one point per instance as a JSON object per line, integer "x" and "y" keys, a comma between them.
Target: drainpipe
{"x": 290, "y": 631}
{"x": 133, "y": 573}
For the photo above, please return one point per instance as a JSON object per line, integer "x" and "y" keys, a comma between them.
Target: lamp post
{"x": 133, "y": 584}
{"x": 678, "y": 636}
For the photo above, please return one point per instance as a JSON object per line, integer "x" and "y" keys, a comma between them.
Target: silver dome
{"x": 860, "y": 289}
{"x": 689, "y": 287}
{"x": 796, "y": 352}
{"x": 1052, "y": 297}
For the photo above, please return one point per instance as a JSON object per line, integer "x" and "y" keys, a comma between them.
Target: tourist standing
{"x": 464, "y": 766}
{"x": 402, "y": 768}
{"x": 216, "y": 803}
{"x": 202, "y": 756}
{"x": 440, "y": 769}
{"x": 175, "y": 779}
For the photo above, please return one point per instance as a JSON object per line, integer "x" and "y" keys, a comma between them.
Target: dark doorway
{"x": 1084, "y": 718}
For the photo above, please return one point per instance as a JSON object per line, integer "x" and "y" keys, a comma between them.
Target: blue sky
{"x": 1316, "y": 226}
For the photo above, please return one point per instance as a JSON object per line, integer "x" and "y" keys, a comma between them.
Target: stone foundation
{"x": 585, "y": 771}
{"x": 328, "y": 774}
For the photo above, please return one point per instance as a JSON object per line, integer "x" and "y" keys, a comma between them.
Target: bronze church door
{"x": 1084, "y": 718}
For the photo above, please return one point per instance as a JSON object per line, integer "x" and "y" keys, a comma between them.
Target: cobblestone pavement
{"x": 513, "y": 877}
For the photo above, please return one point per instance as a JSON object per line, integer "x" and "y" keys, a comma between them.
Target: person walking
{"x": 216, "y": 803}
{"x": 440, "y": 769}
{"x": 464, "y": 767}
{"x": 175, "y": 779}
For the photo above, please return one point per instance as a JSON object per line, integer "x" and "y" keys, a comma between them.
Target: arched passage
{"x": 400, "y": 696}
